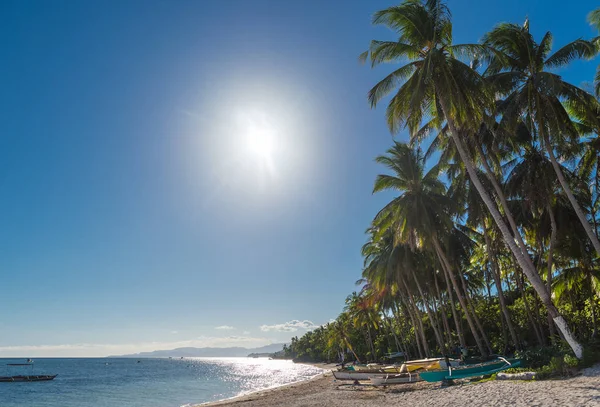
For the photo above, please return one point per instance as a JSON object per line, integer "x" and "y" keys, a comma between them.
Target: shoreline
{"x": 324, "y": 391}
{"x": 326, "y": 367}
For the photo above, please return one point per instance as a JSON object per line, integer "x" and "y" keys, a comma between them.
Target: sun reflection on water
{"x": 254, "y": 374}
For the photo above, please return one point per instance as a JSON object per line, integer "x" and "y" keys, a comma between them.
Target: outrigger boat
{"x": 401, "y": 373}
{"x": 470, "y": 371}
{"x": 26, "y": 378}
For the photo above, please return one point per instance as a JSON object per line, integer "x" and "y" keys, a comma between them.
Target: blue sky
{"x": 135, "y": 215}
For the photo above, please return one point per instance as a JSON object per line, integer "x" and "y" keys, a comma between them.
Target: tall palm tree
{"x": 435, "y": 83}
{"x": 338, "y": 335}
{"x": 531, "y": 178}
{"x": 535, "y": 95}
{"x": 420, "y": 213}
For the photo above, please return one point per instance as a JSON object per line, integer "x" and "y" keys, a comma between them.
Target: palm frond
{"x": 578, "y": 49}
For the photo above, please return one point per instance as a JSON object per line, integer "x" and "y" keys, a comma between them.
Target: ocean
{"x": 123, "y": 382}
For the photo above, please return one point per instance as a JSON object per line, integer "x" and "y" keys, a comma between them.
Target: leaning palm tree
{"x": 535, "y": 95}
{"x": 435, "y": 83}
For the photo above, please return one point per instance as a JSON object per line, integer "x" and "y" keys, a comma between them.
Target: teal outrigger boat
{"x": 468, "y": 371}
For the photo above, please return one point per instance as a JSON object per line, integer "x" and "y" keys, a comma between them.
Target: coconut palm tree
{"x": 531, "y": 178}
{"x": 535, "y": 96}
{"x": 435, "y": 83}
{"x": 419, "y": 215}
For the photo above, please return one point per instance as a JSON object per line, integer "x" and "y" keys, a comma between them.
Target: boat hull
{"x": 341, "y": 375}
{"x": 463, "y": 372}
{"x": 395, "y": 379}
{"x": 32, "y": 378}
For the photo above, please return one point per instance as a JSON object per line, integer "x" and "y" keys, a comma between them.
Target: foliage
{"x": 488, "y": 245}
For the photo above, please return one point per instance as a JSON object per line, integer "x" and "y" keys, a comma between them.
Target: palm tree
{"x": 364, "y": 318}
{"x": 531, "y": 178}
{"x": 419, "y": 214}
{"x": 338, "y": 335}
{"x": 535, "y": 95}
{"x": 435, "y": 83}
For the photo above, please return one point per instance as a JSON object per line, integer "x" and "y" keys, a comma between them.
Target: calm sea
{"x": 151, "y": 383}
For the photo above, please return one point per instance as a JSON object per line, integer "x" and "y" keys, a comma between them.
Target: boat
{"x": 352, "y": 375}
{"x": 31, "y": 378}
{"x": 372, "y": 370}
{"x": 427, "y": 364}
{"x": 395, "y": 379}
{"x": 469, "y": 371}
{"x": 26, "y": 378}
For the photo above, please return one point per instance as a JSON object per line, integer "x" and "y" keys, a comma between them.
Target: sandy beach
{"x": 324, "y": 390}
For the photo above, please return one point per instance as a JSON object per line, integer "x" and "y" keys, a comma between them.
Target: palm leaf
{"x": 578, "y": 49}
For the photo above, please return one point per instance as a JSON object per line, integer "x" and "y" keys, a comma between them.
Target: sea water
{"x": 125, "y": 382}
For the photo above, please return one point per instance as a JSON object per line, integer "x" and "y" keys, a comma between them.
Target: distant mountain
{"x": 206, "y": 352}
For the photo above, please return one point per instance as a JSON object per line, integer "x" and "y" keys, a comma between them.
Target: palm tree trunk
{"x": 396, "y": 314}
{"x": 496, "y": 275}
{"x": 550, "y": 264}
{"x": 532, "y": 321}
{"x": 500, "y": 194}
{"x": 420, "y": 326}
{"x": 532, "y": 276}
{"x": 416, "y": 331}
{"x": 430, "y": 314}
{"x": 565, "y": 186}
{"x": 351, "y": 349}
{"x": 390, "y": 326}
{"x": 592, "y": 302}
{"x": 459, "y": 331}
{"x": 373, "y": 354}
{"x": 442, "y": 309}
{"x": 475, "y": 317}
{"x": 461, "y": 299}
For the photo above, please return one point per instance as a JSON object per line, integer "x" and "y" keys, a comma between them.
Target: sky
{"x": 195, "y": 173}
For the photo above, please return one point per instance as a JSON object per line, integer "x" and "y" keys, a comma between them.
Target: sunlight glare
{"x": 260, "y": 141}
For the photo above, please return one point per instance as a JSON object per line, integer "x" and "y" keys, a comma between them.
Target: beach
{"x": 324, "y": 390}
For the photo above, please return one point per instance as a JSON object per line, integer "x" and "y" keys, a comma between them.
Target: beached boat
{"x": 427, "y": 364}
{"x": 377, "y": 371}
{"x": 353, "y": 375}
{"x": 31, "y": 378}
{"x": 395, "y": 379}
{"x": 469, "y": 371}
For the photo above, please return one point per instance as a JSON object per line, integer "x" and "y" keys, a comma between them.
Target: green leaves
{"x": 578, "y": 49}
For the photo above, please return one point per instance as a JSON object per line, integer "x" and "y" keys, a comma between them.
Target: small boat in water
{"x": 470, "y": 371}
{"x": 31, "y": 378}
{"x": 26, "y": 378}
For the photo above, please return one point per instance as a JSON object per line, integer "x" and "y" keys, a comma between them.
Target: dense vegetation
{"x": 491, "y": 241}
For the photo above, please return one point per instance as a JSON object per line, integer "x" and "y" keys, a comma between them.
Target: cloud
{"x": 100, "y": 349}
{"x": 246, "y": 333}
{"x": 174, "y": 332}
{"x": 291, "y": 326}
{"x": 225, "y": 328}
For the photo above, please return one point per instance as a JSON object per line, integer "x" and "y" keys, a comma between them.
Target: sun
{"x": 261, "y": 137}
{"x": 260, "y": 142}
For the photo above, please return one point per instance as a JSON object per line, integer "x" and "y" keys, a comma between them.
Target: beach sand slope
{"x": 324, "y": 391}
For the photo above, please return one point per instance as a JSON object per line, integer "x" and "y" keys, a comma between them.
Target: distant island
{"x": 263, "y": 351}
